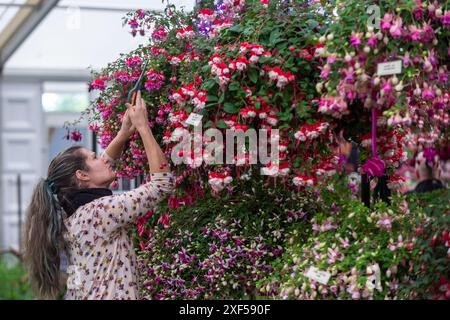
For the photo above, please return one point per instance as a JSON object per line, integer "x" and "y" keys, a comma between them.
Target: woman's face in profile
{"x": 100, "y": 174}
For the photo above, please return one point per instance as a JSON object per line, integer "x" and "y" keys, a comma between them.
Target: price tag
{"x": 391, "y": 67}
{"x": 194, "y": 119}
{"x": 317, "y": 275}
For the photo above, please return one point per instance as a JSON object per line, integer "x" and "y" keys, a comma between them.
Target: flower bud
{"x": 319, "y": 87}
{"x": 322, "y": 39}
{"x": 376, "y": 81}
{"x": 394, "y": 80}
{"x": 370, "y": 29}
{"x": 330, "y": 37}
{"x": 417, "y": 92}
{"x": 366, "y": 49}
{"x": 438, "y": 13}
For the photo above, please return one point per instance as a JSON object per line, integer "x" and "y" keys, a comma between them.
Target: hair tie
{"x": 51, "y": 186}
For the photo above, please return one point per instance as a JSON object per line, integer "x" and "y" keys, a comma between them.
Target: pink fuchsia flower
{"x": 159, "y": 34}
{"x": 207, "y": 14}
{"x": 133, "y": 24}
{"x": 164, "y": 220}
{"x": 445, "y": 19}
{"x": 154, "y": 81}
{"x": 355, "y": 39}
{"x": 385, "y": 223}
{"x": 75, "y": 135}
{"x": 97, "y": 84}
{"x": 374, "y": 167}
{"x": 133, "y": 62}
{"x": 414, "y": 33}
{"x": 385, "y": 23}
{"x": 372, "y": 42}
{"x": 396, "y": 29}
{"x": 428, "y": 94}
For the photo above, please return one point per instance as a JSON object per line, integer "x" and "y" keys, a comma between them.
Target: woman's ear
{"x": 82, "y": 175}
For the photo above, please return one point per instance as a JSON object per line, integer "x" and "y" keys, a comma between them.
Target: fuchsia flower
{"x": 133, "y": 62}
{"x": 374, "y": 167}
{"x": 133, "y": 24}
{"x": 164, "y": 220}
{"x": 396, "y": 29}
{"x": 385, "y": 23}
{"x": 159, "y": 33}
{"x": 446, "y": 18}
{"x": 207, "y": 14}
{"x": 219, "y": 180}
{"x": 97, "y": 84}
{"x": 300, "y": 180}
{"x": 75, "y": 135}
{"x": 355, "y": 39}
{"x": 185, "y": 33}
{"x": 154, "y": 80}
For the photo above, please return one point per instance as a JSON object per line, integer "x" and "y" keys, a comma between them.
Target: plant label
{"x": 194, "y": 119}
{"x": 391, "y": 67}
{"x": 317, "y": 275}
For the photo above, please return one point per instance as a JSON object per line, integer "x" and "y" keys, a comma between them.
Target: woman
{"x": 73, "y": 211}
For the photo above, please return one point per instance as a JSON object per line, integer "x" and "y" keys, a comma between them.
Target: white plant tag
{"x": 194, "y": 119}
{"x": 320, "y": 276}
{"x": 374, "y": 279}
{"x": 391, "y": 67}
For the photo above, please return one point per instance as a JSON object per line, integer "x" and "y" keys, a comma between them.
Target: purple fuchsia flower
{"x": 385, "y": 23}
{"x": 355, "y": 39}
{"x": 430, "y": 154}
{"x": 445, "y": 19}
{"x": 396, "y": 29}
{"x": 374, "y": 167}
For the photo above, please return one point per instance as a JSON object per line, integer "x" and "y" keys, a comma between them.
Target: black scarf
{"x": 83, "y": 196}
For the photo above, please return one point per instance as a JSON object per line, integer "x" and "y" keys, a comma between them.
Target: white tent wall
{"x": 24, "y": 147}
{"x": 22, "y": 151}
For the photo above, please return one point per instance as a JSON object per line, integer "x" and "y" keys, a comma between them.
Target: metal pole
{"x": 94, "y": 141}
{"x": 19, "y": 208}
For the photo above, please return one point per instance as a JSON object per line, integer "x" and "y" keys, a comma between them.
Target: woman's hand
{"x": 127, "y": 128}
{"x": 138, "y": 113}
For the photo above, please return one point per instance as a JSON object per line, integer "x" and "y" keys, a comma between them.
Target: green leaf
{"x": 222, "y": 98}
{"x": 221, "y": 124}
{"x": 234, "y": 86}
{"x": 208, "y": 124}
{"x": 236, "y": 28}
{"x": 205, "y": 68}
{"x": 274, "y": 36}
{"x": 209, "y": 84}
{"x": 211, "y": 98}
{"x": 312, "y": 23}
{"x": 229, "y": 107}
{"x": 253, "y": 75}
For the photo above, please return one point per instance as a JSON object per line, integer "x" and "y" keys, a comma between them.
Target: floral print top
{"x": 102, "y": 262}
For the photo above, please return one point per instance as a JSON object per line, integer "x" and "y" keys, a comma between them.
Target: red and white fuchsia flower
{"x": 300, "y": 180}
{"x": 219, "y": 180}
{"x": 311, "y": 131}
{"x": 282, "y": 78}
{"x": 185, "y": 33}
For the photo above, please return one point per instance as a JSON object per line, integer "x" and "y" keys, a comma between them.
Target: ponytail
{"x": 44, "y": 226}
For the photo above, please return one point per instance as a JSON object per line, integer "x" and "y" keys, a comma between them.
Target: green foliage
{"x": 14, "y": 283}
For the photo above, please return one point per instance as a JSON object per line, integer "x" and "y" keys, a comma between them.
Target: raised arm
{"x": 117, "y": 145}
{"x": 138, "y": 115}
{"x": 118, "y": 211}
